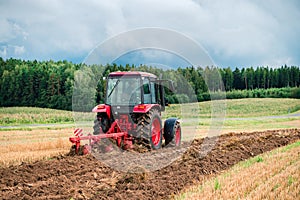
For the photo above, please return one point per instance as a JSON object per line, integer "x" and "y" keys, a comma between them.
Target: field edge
{"x": 215, "y": 186}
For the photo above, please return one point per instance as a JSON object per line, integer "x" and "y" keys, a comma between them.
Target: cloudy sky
{"x": 233, "y": 33}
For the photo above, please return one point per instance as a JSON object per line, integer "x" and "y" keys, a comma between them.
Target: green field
{"x": 32, "y": 115}
{"x": 240, "y": 108}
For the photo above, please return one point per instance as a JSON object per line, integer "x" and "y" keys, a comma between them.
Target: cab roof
{"x": 133, "y": 73}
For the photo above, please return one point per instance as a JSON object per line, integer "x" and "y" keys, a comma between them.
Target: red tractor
{"x": 131, "y": 114}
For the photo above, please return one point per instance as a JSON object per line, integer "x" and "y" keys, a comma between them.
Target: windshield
{"x": 123, "y": 90}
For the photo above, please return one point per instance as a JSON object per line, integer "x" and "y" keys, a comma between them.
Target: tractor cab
{"x": 134, "y": 89}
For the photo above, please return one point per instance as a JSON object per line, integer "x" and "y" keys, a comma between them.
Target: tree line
{"x": 261, "y": 77}
{"x": 61, "y": 84}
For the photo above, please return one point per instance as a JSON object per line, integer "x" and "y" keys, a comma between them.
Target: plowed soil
{"x": 84, "y": 177}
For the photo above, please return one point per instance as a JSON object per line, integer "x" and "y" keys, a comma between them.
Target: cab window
{"x": 146, "y": 88}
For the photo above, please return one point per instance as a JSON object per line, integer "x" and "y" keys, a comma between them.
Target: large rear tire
{"x": 96, "y": 126}
{"x": 149, "y": 130}
{"x": 101, "y": 126}
{"x": 101, "y": 121}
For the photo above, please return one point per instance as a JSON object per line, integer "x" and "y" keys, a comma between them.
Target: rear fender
{"x": 144, "y": 108}
{"x": 102, "y": 108}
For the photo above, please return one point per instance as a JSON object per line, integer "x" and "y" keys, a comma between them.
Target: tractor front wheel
{"x": 172, "y": 134}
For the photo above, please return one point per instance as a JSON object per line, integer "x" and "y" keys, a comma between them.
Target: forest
{"x": 55, "y": 84}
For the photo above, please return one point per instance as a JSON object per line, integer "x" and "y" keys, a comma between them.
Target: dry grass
{"x": 274, "y": 175}
{"x": 27, "y": 146}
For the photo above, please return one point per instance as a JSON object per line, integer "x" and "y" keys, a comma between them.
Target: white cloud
{"x": 19, "y": 50}
{"x": 59, "y": 26}
{"x": 234, "y": 32}
{"x": 3, "y": 52}
{"x": 10, "y": 30}
{"x": 6, "y": 51}
{"x": 5, "y": 31}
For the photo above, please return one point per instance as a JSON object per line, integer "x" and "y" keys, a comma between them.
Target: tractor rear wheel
{"x": 101, "y": 121}
{"x": 96, "y": 127}
{"x": 149, "y": 130}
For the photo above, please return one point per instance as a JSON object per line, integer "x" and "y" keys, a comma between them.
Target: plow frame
{"x": 114, "y": 132}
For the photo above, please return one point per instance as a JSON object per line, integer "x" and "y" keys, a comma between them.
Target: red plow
{"x": 122, "y": 138}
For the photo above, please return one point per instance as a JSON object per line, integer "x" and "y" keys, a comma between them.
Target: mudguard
{"x": 144, "y": 108}
{"x": 102, "y": 108}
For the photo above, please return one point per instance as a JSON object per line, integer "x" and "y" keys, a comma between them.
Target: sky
{"x": 233, "y": 33}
